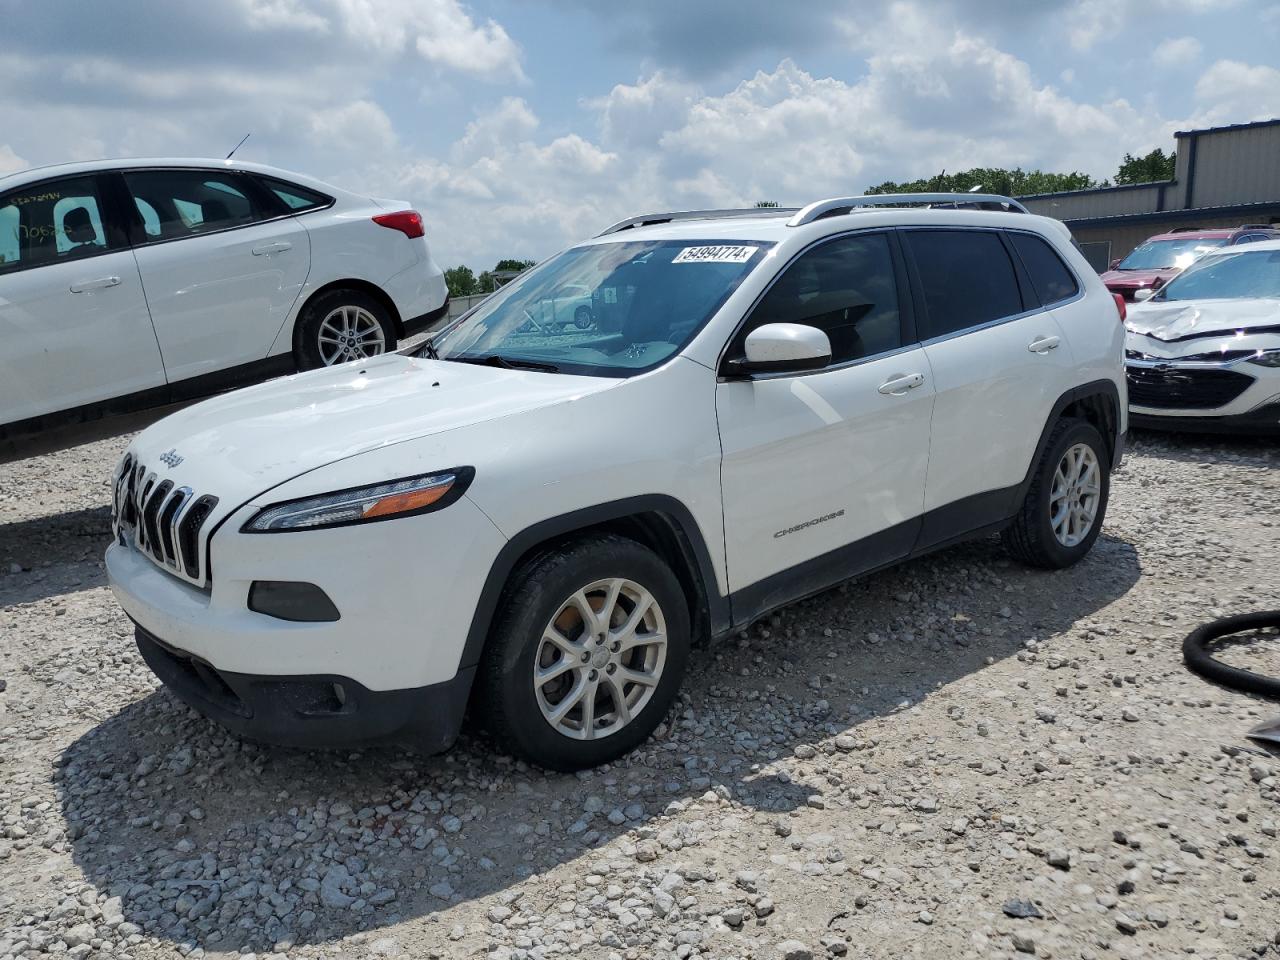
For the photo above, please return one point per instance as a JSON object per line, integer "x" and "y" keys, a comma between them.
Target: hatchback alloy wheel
{"x": 350, "y": 333}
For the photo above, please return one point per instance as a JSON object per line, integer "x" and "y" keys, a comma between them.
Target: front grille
{"x": 1185, "y": 388}
{"x": 164, "y": 522}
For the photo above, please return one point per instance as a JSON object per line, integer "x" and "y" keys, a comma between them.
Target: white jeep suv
{"x": 541, "y": 523}
{"x": 129, "y": 284}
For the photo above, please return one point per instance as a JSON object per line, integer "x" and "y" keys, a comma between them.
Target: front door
{"x": 823, "y": 473}
{"x": 221, "y": 268}
{"x": 74, "y": 326}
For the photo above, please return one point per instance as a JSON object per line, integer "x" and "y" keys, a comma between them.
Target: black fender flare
{"x": 1096, "y": 388}
{"x": 675, "y": 513}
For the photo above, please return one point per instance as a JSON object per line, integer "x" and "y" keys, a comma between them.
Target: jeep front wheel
{"x": 587, "y": 654}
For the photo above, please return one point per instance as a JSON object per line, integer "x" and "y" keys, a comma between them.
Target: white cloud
{"x": 1234, "y": 92}
{"x": 1088, "y": 21}
{"x": 10, "y": 161}
{"x": 439, "y": 31}
{"x": 360, "y": 126}
{"x": 1177, "y": 52}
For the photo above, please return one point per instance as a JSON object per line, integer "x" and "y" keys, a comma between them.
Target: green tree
{"x": 517, "y": 265}
{"x": 485, "y": 283}
{"x": 1008, "y": 183}
{"x": 460, "y": 281}
{"x": 766, "y": 203}
{"x": 1156, "y": 165}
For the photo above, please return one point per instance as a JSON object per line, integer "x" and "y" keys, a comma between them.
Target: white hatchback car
{"x": 1203, "y": 354}
{"x": 769, "y": 402}
{"x": 132, "y": 284}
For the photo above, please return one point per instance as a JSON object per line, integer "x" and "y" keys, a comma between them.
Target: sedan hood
{"x": 243, "y": 443}
{"x": 1133, "y": 279}
{"x": 1191, "y": 319}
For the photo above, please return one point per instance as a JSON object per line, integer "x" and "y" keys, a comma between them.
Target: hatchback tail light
{"x": 1124, "y": 311}
{"x": 408, "y": 222}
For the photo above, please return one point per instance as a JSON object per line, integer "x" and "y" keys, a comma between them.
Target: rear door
{"x": 74, "y": 327}
{"x": 222, "y": 262}
{"x": 1000, "y": 361}
{"x": 823, "y": 472}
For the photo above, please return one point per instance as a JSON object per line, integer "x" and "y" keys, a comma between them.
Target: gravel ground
{"x": 958, "y": 758}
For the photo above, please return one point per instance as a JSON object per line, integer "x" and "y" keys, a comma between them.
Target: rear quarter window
{"x": 1052, "y": 279}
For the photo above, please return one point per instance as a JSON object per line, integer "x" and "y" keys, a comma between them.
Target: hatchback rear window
{"x": 294, "y": 197}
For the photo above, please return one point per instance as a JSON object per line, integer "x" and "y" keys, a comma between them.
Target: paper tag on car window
{"x": 719, "y": 254}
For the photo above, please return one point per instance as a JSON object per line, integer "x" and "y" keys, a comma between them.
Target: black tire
{"x": 582, "y": 318}
{"x": 306, "y": 348}
{"x": 508, "y": 699}
{"x": 1030, "y": 538}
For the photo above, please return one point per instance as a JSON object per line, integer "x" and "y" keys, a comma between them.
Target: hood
{"x": 1132, "y": 279}
{"x": 1191, "y": 319}
{"x": 240, "y": 444}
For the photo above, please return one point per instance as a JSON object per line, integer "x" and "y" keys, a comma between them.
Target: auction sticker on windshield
{"x": 719, "y": 254}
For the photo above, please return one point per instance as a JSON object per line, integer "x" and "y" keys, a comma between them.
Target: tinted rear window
{"x": 967, "y": 277}
{"x": 294, "y": 197}
{"x": 1049, "y": 275}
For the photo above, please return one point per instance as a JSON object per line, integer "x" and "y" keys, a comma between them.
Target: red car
{"x": 1158, "y": 260}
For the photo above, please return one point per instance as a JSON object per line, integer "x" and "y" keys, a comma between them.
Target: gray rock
{"x": 792, "y": 950}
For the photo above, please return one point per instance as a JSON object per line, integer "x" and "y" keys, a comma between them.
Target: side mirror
{"x": 1145, "y": 293}
{"x": 1114, "y": 264}
{"x": 783, "y": 348}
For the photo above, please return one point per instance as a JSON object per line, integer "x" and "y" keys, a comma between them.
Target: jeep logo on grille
{"x": 171, "y": 458}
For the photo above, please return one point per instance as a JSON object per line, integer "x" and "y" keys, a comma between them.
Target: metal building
{"x": 1224, "y": 177}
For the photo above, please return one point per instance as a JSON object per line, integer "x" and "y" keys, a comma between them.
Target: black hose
{"x": 1195, "y": 651}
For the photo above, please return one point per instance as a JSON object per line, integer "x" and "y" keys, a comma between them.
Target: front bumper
{"x": 312, "y": 710}
{"x": 1264, "y": 421}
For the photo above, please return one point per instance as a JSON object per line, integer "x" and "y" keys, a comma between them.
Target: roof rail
{"x": 652, "y": 218}
{"x": 841, "y": 205}
{"x": 1260, "y": 226}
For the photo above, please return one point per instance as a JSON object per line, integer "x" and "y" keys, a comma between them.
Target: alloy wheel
{"x": 350, "y": 333}
{"x": 1075, "y": 494}
{"x": 600, "y": 659}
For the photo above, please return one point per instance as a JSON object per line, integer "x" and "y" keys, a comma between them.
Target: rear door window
{"x": 1051, "y": 279}
{"x": 50, "y": 223}
{"x": 967, "y": 277}
{"x": 183, "y": 203}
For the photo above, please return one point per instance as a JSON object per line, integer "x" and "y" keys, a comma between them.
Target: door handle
{"x": 1043, "y": 344}
{"x": 266, "y": 249}
{"x": 897, "y": 386}
{"x": 85, "y": 286}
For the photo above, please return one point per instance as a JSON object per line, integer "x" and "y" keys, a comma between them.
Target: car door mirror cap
{"x": 1145, "y": 293}
{"x": 783, "y": 348}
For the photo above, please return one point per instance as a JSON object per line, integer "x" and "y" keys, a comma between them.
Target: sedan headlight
{"x": 1266, "y": 358}
{"x": 383, "y": 501}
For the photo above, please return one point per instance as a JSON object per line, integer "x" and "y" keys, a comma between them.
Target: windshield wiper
{"x": 508, "y": 363}
{"x": 429, "y": 349}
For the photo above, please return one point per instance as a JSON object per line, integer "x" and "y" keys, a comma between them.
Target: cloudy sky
{"x": 520, "y": 126}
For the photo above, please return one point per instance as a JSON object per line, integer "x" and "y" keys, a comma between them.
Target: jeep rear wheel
{"x": 1063, "y": 511}
{"x": 587, "y": 654}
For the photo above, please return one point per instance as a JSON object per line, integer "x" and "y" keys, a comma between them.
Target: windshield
{"x": 1227, "y": 276}
{"x": 1168, "y": 254}
{"x": 608, "y": 309}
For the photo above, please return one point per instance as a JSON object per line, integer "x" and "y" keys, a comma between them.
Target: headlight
{"x": 383, "y": 501}
{"x": 1266, "y": 358}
